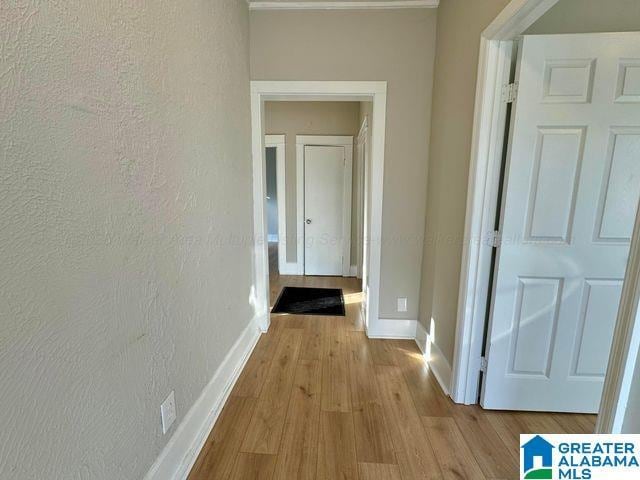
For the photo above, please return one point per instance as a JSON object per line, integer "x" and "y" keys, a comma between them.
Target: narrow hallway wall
{"x": 126, "y": 205}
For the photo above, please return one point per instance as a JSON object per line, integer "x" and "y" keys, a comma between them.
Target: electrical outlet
{"x": 168, "y": 412}
{"x": 402, "y": 304}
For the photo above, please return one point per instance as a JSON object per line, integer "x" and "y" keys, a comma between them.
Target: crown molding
{"x": 340, "y": 5}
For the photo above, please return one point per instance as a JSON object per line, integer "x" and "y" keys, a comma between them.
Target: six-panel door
{"x": 572, "y": 188}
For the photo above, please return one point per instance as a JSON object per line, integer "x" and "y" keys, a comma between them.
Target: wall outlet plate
{"x": 402, "y": 304}
{"x": 168, "y": 412}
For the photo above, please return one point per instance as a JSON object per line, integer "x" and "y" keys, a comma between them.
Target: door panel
{"x": 600, "y": 299}
{"x": 535, "y": 325}
{"x": 324, "y": 172}
{"x": 554, "y": 182}
{"x": 572, "y": 188}
{"x": 620, "y": 182}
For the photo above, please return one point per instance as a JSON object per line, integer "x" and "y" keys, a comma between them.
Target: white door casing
{"x": 352, "y": 91}
{"x": 278, "y": 142}
{"x": 572, "y": 188}
{"x": 361, "y": 189}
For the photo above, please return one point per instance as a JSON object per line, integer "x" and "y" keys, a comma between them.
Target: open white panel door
{"x": 573, "y": 182}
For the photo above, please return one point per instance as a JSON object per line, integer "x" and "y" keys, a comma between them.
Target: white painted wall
{"x": 125, "y": 184}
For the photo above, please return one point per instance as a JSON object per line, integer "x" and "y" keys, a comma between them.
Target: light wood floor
{"x": 319, "y": 400}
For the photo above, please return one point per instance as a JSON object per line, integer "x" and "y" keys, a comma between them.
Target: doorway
{"x": 347, "y": 91}
{"x": 276, "y": 201}
{"x": 493, "y": 92}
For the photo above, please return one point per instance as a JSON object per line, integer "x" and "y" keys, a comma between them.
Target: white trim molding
{"x": 393, "y": 328}
{"x": 340, "y": 4}
{"x": 434, "y": 358}
{"x": 373, "y": 91}
{"x": 278, "y": 142}
{"x": 181, "y": 451}
{"x": 346, "y": 142}
{"x": 360, "y": 157}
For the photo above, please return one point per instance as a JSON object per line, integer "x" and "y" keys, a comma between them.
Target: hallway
{"x": 318, "y": 399}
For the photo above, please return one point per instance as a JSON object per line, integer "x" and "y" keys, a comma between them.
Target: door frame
{"x": 278, "y": 142}
{"x": 361, "y": 146}
{"x": 496, "y": 46}
{"x": 264, "y": 90}
{"x": 346, "y": 142}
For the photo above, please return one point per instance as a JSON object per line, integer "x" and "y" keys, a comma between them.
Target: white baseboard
{"x": 393, "y": 328}
{"x": 422, "y": 338}
{"x": 178, "y": 456}
{"x": 434, "y": 357}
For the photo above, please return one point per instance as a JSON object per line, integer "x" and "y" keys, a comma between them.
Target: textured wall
{"x": 393, "y": 45}
{"x": 125, "y": 184}
{"x": 310, "y": 118}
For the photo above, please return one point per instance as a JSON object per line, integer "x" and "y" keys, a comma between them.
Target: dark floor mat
{"x": 310, "y": 301}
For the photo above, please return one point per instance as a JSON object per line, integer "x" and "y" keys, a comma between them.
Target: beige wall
{"x": 392, "y": 45}
{"x": 460, "y": 23}
{"x": 309, "y": 118}
{"x": 589, "y": 16}
{"x": 125, "y": 181}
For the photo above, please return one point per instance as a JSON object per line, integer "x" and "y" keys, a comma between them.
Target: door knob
{"x": 308, "y": 221}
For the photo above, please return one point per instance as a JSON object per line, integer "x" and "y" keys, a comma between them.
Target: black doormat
{"x": 310, "y": 301}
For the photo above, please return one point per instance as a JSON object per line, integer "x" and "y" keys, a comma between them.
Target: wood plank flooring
{"x": 319, "y": 400}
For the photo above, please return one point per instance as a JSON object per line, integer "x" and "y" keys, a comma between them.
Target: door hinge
{"x": 510, "y": 92}
{"x": 494, "y": 239}
{"x": 483, "y": 364}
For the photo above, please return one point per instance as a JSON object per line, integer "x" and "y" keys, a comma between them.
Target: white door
{"x": 324, "y": 178}
{"x": 573, "y": 183}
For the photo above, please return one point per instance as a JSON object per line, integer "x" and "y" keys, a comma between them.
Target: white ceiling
{"x": 338, "y": 4}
